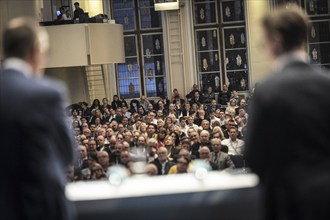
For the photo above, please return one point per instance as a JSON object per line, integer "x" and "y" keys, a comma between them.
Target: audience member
{"x": 219, "y": 157}
{"x": 162, "y": 162}
{"x": 235, "y": 145}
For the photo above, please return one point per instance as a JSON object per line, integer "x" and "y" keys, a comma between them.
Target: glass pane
{"x": 205, "y": 13}
{"x": 325, "y": 53}
{"x": 123, "y": 13}
{"x": 317, "y": 7}
{"x": 156, "y": 86}
{"x": 126, "y": 18}
{"x": 320, "y": 53}
{"x": 154, "y": 66}
{"x": 207, "y": 40}
{"x": 152, "y": 44}
{"x": 236, "y": 59}
{"x": 238, "y": 80}
{"x": 320, "y": 31}
{"x": 149, "y": 18}
{"x": 120, "y": 4}
{"x": 130, "y": 46}
{"x": 130, "y": 69}
{"x": 232, "y": 11}
{"x": 209, "y": 61}
{"x": 210, "y": 79}
{"x": 129, "y": 88}
{"x": 235, "y": 37}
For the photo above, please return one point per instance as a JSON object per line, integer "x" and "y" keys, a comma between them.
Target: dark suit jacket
{"x": 168, "y": 165}
{"x": 288, "y": 141}
{"x": 36, "y": 148}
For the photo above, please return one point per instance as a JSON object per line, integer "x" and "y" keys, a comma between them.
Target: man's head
{"x": 76, "y": 4}
{"x": 100, "y": 140}
{"x": 112, "y": 141}
{"x": 194, "y": 136}
{"x": 92, "y": 145}
{"x": 162, "y": 154}
{"x": 285, "y": 30}
{"x": 141, "y": 141}
{"x": 82, "y": 151}
{"x": 151, "y": 129}
{"x": 23, "y": 38}
{"x": 233, "y": 133}
{"x": 118, "y": 148}
{"x": 182, "y": 164}
{"x": 204, "y": 136}
{"x": 151, "y": 169}
{"x": 204, "y": 153}
{"x": 125, "y": 157}
{"x": 103, "y": 158}
{"x": 216, "y": 144}
{"x": 206, "y": 124}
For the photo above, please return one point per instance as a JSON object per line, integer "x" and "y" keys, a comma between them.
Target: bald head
{"x": 151, "y": 169}
{"x": 204, "y": 152}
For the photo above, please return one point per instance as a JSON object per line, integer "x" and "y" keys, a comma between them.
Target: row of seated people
{"x": 94, "y": 161}
{"x": 119, "y": 108}
{"x": 194, "y": 98}
{"x": 128, "y": 136}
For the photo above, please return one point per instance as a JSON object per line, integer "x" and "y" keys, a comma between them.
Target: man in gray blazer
{"x": 222, "y": 159}
{"x": 291, "y": 156}
{"x": 36, "y": 145}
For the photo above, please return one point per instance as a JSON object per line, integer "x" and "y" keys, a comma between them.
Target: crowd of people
{"x": 167, "y": 135}
{"x": 286, "y": 144}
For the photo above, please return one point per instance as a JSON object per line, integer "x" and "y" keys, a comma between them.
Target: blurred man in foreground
{"x": 37, "y": 147}
{"x": 291, "y": 157}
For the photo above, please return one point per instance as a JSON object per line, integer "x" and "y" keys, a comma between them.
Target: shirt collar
{"x": 283, "y": 60}
{"x": 18, "y": 65}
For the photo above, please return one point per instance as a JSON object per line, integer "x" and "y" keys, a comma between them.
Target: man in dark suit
{"x": 36, "y": 144}
{"x": 162, "y": 162}
{"x": 78, "y": 11}
{"x": 291, "y": 157}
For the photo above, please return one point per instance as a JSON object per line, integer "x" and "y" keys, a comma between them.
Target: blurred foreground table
{"x": 215, "y": 195}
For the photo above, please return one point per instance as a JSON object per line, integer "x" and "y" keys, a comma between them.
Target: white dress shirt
{"x": 234, "y": 147}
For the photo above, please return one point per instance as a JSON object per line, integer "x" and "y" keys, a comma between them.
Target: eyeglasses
{"x": 204, "y": 153}
{"x": 182, "y": 162}
{"x": 97, "y": 169}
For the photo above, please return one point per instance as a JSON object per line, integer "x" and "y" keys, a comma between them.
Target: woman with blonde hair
{"x": 217, "y": 132}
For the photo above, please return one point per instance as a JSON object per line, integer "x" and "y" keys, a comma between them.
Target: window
{"x": 144, "y": 71}
{"x": 221, "y": 44}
